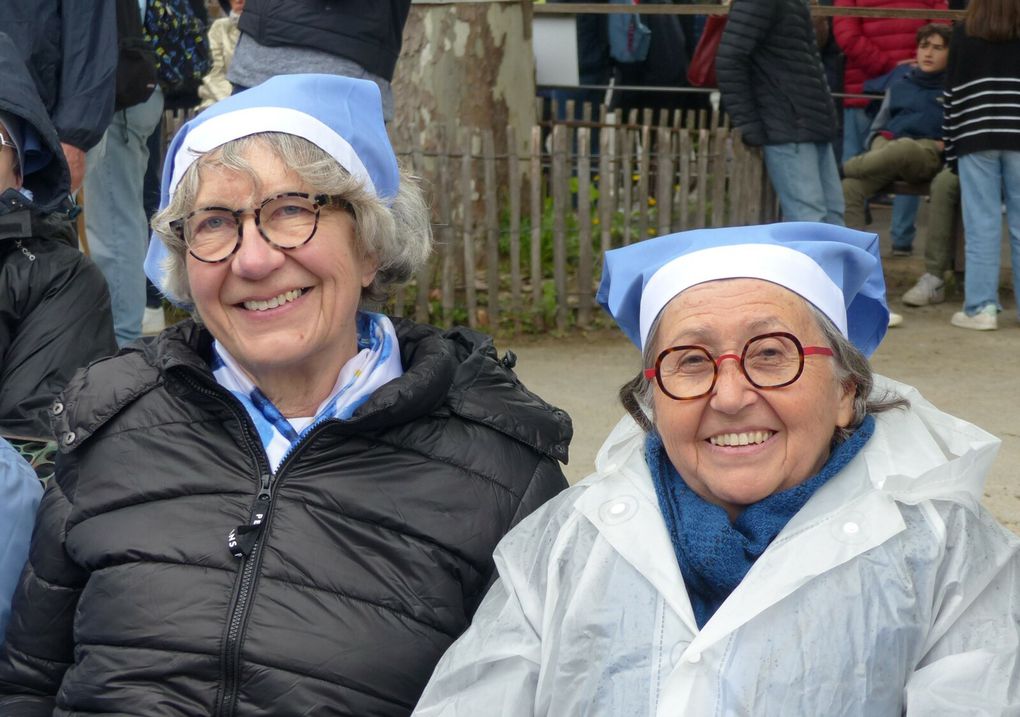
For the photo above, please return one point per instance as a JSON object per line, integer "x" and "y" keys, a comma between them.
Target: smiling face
{"x": 740, "y": 444}
{"x": 280, "y": 313}
{"x": 932, "y": 54}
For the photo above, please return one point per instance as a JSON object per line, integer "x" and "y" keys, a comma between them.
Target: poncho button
{"x": 851, "y": 528}
{"x": 694, "y": 658}
{"x": 69, "y": 438}
{"x": 617, "y": 511}
{"x": 57, "y": 408}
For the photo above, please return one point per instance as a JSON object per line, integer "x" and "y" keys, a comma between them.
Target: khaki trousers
{"x": 909, "y": 160}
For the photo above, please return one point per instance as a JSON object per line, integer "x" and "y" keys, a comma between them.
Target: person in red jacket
{"x": 873, "y": 47}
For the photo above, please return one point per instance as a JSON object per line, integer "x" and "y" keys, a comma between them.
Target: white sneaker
{"x": 153, "y": 321}
{"x": 894, "y": 319}
{"x": 929, "y": 289}
{"x": 984, "y": 320}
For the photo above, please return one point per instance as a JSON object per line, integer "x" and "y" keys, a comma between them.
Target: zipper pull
{"x": 263, "y": 496}
{"x": 242, "y": 539}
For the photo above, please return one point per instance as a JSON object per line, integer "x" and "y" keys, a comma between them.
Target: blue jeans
{"x": 805, "y": 176}
{"x": 856, "y": 126}
{"x": 985, "y": 179}
{"x": 901, "y": 227}
{"x": 116, "y": 227}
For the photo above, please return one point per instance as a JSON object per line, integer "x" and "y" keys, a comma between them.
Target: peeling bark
{"x": 466, "y": 63}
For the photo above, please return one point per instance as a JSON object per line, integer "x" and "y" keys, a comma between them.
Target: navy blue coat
{"x": 70, "y": 47}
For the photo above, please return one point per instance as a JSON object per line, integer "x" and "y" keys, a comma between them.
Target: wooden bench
{"x": 923, "y": 190}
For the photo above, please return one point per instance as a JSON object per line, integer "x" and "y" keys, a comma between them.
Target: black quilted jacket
{"x": 770, "y": 74}
{"x": 373, "y": 552}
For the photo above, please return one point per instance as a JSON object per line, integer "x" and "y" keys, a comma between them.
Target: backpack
{"x": 629, "y": 38}
{"x": 178, "y": 36}
{"x": 136, "y": 60}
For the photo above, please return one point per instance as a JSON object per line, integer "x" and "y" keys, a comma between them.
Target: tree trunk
{"x": 468, "y": 63}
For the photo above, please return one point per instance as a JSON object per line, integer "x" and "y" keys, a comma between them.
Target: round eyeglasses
{"x": 767, "y": 361}
{"x": 286, "y": 221}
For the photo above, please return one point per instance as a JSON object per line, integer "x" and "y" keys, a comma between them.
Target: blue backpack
{"x": 629, "y": 38}
{"x": 182, "y": 49}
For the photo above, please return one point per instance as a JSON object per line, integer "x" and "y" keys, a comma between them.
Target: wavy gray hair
{"x": 852, "y": 370}
{"x": 398, "y": 235}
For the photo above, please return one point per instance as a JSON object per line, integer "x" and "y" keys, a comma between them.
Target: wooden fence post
{"x": 447, "y": 236}
{"x": 627, "y": 170}
{"x": 467, "y": 207}
{"x": 607, "y": 187}
{"x": 664, "y": 181}
{"x": 514, "y": 179}
{"x": 700, "y": 218}
{"x": 561, "y": 198}
{"x": 536, "y": 226}
{"x": 423, "y": 277}
{"x": 644, "y": 169}
{"x": 491, "y": 230}
{"x": 584, "y": 258}
{"x": 684, "y": 191}
{"x": 718, "y": 146}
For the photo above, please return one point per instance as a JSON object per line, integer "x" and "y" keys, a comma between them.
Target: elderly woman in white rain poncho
{"x": 773, "y": 530}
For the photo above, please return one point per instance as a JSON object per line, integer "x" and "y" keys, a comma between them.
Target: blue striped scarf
{"x": 377, "y": 362}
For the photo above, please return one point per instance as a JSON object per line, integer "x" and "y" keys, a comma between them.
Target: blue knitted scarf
{"x": 715, "y": 554}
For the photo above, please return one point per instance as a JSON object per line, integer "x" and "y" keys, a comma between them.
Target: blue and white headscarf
{"x": 376, "y": 363}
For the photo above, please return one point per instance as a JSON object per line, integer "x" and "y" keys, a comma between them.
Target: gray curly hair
{"x": 852, "y": 370}
{"x": 398, "y": 235}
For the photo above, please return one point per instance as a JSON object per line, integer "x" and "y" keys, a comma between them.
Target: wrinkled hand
{"x": 75, "y": 163}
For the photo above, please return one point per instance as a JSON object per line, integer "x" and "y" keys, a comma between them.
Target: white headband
{"x": 779, "y": 264}
{"x": 229, "y": 126}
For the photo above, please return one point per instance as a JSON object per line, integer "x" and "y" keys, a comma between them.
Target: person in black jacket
{"x": 54, "y": 304}
{"x": 70, "y": 47}
{"x": 289, "y": 504}
{"x": 354, "y": 38}
{"x": 774, "y": 89}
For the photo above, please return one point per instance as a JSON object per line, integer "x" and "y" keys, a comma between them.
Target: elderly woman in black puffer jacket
{"x": 288, "y": 505}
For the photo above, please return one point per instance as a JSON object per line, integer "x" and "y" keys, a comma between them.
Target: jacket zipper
{"x": 249, "y": 574}
{"x": 250, "y": 556}
{"x": 246, "y": 543}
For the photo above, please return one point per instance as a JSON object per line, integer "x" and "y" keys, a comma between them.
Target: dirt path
{"x": 970, "y": 374}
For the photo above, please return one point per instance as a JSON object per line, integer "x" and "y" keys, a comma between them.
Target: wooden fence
{"x": 520, "y": 236}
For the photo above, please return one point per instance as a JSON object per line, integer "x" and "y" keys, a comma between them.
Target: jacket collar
{"x": 456, "y": 371}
